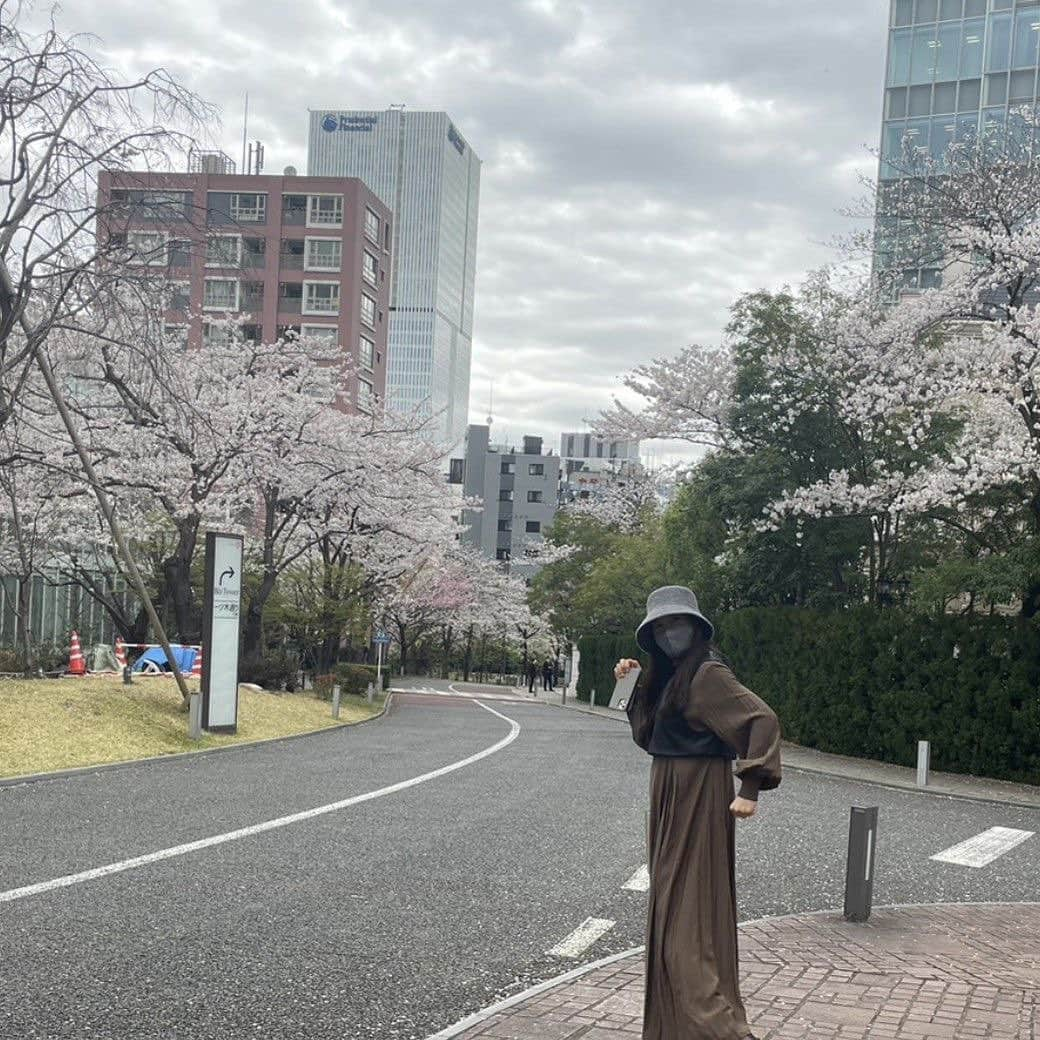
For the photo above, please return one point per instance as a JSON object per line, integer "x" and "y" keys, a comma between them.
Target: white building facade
{"x": 422, "y": 168}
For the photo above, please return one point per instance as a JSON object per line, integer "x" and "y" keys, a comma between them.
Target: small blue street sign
{"x": 381, "y": 637}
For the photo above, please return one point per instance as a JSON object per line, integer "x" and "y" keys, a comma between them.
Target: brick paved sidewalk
{"x": 921, "y": 973}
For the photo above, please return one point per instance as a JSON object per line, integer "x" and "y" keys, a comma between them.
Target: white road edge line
{"x": 591, "y": 929}
{"x": 258, "y": 828}
{"x": 983, "y": 848}
{"x": 639, "y": 881}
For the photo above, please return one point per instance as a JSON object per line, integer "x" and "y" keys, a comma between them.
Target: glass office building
{"x": 956, "y": 68}
{"x": 423, "y": 169}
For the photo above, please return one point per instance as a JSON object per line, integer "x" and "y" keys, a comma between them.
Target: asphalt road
{"x": 398, "y": 915}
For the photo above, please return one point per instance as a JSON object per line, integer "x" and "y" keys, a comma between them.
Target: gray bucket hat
{"x": 669, "y": 599}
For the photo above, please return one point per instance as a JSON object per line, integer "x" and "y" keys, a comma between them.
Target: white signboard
{"x": 221, "y": 635}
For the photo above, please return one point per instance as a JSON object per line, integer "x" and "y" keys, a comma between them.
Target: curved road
{"x": 395, "y": 915}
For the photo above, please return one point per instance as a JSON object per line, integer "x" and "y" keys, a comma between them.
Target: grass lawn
{"x": 48, "y": 724}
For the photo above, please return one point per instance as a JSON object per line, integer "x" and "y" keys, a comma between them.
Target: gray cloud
{"x": 645, "y": 161}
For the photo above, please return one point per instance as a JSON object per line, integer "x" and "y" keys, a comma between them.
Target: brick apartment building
{"x": 309, "y": 254}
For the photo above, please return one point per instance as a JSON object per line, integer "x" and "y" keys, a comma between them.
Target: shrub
{"x": 276, "y": 670}
{"x": 354, "y": 678}
{"x": 322, "y": 686}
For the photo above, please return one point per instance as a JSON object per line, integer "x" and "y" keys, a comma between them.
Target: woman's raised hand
{"x": 624, "y": 666}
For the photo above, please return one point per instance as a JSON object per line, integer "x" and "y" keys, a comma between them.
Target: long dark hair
{"x": 664, "y": 682}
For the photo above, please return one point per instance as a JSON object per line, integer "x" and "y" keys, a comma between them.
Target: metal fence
{"x": 56, "y": 608}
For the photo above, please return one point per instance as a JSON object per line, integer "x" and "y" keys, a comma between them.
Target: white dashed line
{"x": 984, "y": 848}
{"x": 639, "y": 881}
{"x": 257, "y": 828}
{"x": 591, "y": 929}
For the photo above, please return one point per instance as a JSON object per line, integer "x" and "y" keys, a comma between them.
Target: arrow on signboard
{"x": 229, "y": 573}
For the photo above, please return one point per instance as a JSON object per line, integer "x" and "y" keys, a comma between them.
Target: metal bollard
{"x": 335, "y": 701}
{"x": 924, "y": 761}
{"x": 127, "y": 681}
{"x": 370, "y": 692}
{"x": 195, "y": 717}
{"x": 859, "y": 871}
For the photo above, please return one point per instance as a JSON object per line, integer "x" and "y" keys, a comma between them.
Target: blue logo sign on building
{"x": 333, "y": 121}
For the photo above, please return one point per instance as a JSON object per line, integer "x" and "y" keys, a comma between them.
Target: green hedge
{"x": 599, "y": 654}
{"x": 354, "y": 678}
{"x": 871, "y": 683}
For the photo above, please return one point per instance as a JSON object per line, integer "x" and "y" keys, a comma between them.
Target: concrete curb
{"x": 892, "y": 785}
{"x": 576, "y": 973}
{"x": 130, "y": 763}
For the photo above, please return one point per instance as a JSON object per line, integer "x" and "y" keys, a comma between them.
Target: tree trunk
{"x": 179, "y": 594}
{"x": 253, "y": 629}
{"x": 24, "y": 635}
{"x": 467, "y": 657}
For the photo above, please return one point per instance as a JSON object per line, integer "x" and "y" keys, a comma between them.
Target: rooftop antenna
{"x": 491, "y": 403}
{"x": 245, "y": 131}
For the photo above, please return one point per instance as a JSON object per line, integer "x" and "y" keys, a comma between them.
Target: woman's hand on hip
{"x": 743, "y": 808}
{"x": 624, "y": 666}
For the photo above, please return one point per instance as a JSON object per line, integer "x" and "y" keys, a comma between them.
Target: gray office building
{"x": 424, "y": 170}
{"x": 519, "y": 489}
{"x": 956, "y": 69}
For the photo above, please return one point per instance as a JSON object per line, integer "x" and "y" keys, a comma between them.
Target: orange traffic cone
{"x": 77, "y": 662}
{"x": 196, "y": 666}
{"x": 121, "y": 653}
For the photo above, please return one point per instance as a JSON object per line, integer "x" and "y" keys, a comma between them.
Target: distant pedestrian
{"x": 546, "y": 675}
{"x": 532, "y": 674}
{"x": 692, "y": 715}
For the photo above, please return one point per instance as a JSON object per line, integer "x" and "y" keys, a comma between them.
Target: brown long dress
{"x": 692, "y": 980}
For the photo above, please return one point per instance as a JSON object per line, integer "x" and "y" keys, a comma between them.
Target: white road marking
{"x": 591, "y": 929}
{"x": 639, "y": 881}
{"x": 984, "y": 848}
{"x": 257, "y": 828}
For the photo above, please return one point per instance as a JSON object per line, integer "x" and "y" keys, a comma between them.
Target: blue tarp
{"x": 185, "y": 656}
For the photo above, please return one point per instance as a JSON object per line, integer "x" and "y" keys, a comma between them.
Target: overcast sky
{"x": 645, "y": 161}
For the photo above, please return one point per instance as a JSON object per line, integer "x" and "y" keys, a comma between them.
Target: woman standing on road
{"x": 689, "y": 712}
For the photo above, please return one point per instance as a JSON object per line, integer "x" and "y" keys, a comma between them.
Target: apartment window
{"x": 367, "y": 352}
{"x": 223, "y": 250}
{"x": 291, "y": 253}
{"x": 505, "y": 525}
{"x": 178, "y": 252}
{"x": 323, "y": 254}
{"x": 508, "y": 466}
{"x": 536, "y": 469}
{"x": 176, "y": 336}
{"x": 179, "y": 296}
{"x": 249, "y": 207}
{"x": 366, "y": 394}
{"x": 321, "y": 297}
{"x": 325, "y": 211}
{"x": 215, "y": 334}
{"x": 220, "y": 294}
{"x": 534, "y": 496}
{"x": 372, "y": 225}
{"x": 368, "y": 310}
{"x": 325, "y": 333}
{"x": 502, "y": 554}
{"x": 148, "y": 247}
{"x": 369, "y": 267}
{"x": 505, "y": 495}
{"x": 534, "y": 527}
